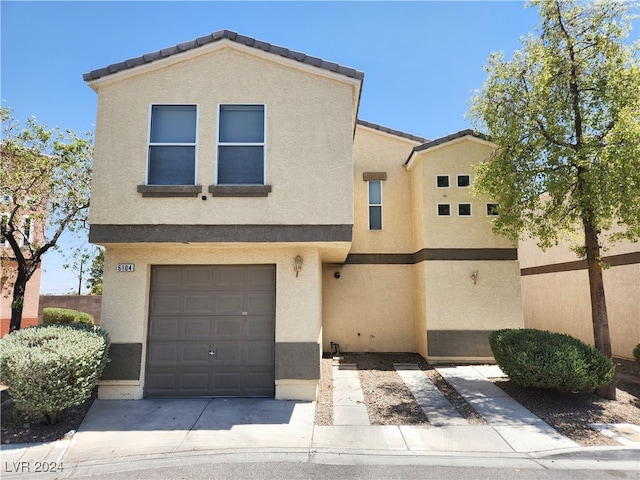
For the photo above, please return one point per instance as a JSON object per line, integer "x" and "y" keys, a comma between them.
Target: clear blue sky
{"x": 421, "y": 60}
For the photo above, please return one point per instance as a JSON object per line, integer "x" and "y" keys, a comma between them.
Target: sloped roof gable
{"x": 215, "y": 37}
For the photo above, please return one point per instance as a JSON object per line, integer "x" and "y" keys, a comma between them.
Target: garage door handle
{"x": 211, "y": 353}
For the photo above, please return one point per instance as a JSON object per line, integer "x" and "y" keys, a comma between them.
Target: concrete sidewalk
{"x": 117, "y": 435}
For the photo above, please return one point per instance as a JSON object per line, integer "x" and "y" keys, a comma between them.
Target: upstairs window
{"x": 241, "y": 145}
{"x": 464, "y": 209}
{"x": 442, "y": 181}
{"x": 375, "y": 205}
{"x": 492, "y": 209}
{"x": 172, "y": 145}
{"x": 464, "y": 181}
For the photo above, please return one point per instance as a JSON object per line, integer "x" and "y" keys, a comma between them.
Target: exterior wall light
{"x": 297, "y": 264}
{"x": 474, "y": 277}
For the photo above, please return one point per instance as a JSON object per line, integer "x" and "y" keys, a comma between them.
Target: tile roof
{"x": 392, "y": 131}
{"x": 447, "y": 138}
{"x": 212, "y": 38}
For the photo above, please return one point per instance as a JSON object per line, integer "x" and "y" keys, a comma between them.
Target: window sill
{"x": 240, "y": 190}
{"x": 169, "y": 190}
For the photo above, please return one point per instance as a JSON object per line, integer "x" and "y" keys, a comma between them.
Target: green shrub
{"x": 536, "y": 358}
{"x": 51, "y": 368}
{"x": 65, "y": 316}
{"x": 636, "y": 354}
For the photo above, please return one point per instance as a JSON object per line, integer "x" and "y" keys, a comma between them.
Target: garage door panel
{"x": 197, "y": 277}
{"x": 194, "y": 328}
{"x": 165, "y": 305}
{"x": 262, "y": 276}
{"x": 230, "y": 276}
{"x": 227, "y": 328}
{"x": 163, "y": 354}
{"x": 165, "y": 328}
{"x": 195, "y": 381}
{"x": 167, "y": 277}
{"x": 197, "y": 304}
{"x": 260, "y": 303}
{"x": 229, "y": 303}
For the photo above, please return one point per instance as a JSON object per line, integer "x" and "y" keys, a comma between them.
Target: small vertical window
{"x": 442, "y": 181}
{"x": 492, "y": 209}
{"x": 375, "y": 205}
{"x": 444, "y": 210}
{"x": 172, "y": 145}
{"x": 26, "y": 231}
{"x": 464, "y": 209}
{"x": 464, "y": 181}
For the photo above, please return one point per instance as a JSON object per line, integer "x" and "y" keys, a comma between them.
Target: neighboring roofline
{"x": 215, "y": 37}
{"x": 446, "y": 139}
{"x": 391, "y": 131}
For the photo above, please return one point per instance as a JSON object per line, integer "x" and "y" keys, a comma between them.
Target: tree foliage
{"x": 45, "y": 178}
{"x": 564, "y": 113}
{"x": 96, "y": 273}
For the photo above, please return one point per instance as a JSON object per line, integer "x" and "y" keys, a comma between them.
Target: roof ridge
{"x": 212, "y": 38}
{"x": 392, "y": 131}
{"x": 448, "y": 138}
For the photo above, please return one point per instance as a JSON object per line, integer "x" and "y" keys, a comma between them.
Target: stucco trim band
{"x": 109, "y": 233}
{"x": 125, "y": 360}
{"x": 297, "y": 361}
{"x": 612, "y": 260}
{"x": 427, "y": 254}
{"x": 458, "y": 343}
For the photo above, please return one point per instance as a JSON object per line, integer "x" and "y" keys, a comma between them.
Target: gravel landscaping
{"x": 389, "y": 401}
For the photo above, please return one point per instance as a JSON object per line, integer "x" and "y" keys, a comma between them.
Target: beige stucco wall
{"x": 560, "y": 302}
{"x": 309, "y": 116}
{"x": 126, "y": 299}
{"x": 370, "y": 308}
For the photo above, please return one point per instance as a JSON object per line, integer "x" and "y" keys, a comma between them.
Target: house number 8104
{"x": 126, "y": 267}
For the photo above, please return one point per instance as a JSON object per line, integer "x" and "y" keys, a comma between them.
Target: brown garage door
{"x": 211, "y": 331}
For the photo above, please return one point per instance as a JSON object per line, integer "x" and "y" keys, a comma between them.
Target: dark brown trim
{"x": 240, "y": 190}
{"x": 169, "y": 190}
{"x": 109, "y": 233}
{"x": 458, "y": 343}
{"x": 124, "y": 363}
{"x": 467, "y": 254}
{"x": 374, "y": 176}
{"x": 297, "y": 361}
{"x": 380, "y": 259}
{"x": 612, "y": 260}
{"x": 429, "y": 254}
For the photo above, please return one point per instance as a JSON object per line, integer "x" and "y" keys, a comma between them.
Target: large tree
{"x": 564, "y": 113}
{"x": 45, "y": 179}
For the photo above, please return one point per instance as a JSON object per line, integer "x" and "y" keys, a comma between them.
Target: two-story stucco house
{"x": 251, "y": 222}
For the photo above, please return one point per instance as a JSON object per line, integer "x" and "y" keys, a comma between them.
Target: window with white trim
{"x": 464, "y": 209}
{"x": 375, "y": 204}
{"x": 444, "y": 209}
{"x": 463, "y": 181}
{"x": 172, "y": 145}
{"x": 492, "y": 209}
{"x": 442, "y": 181}
{"x": 241, "y": 145}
